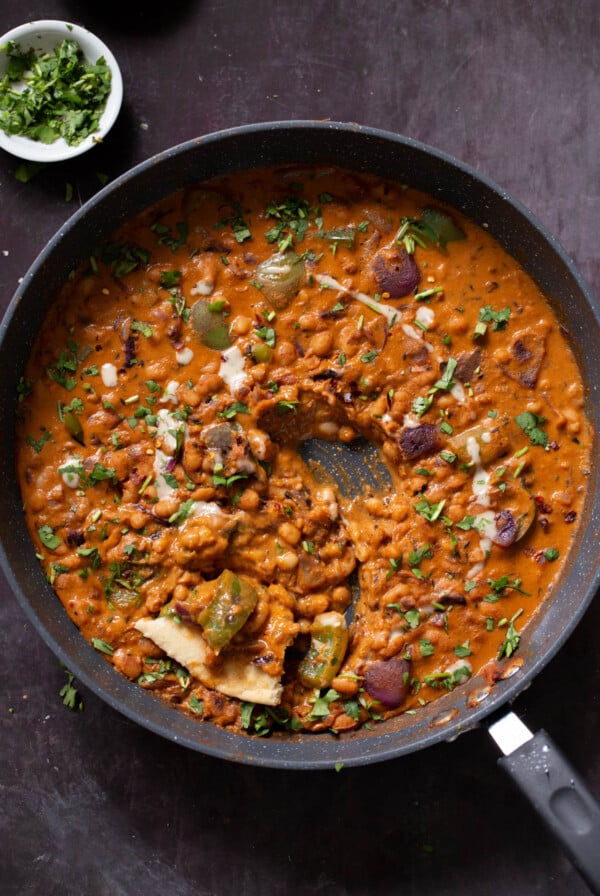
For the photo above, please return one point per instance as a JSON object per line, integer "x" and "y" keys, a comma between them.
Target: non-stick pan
{"x": 533, "y": 760}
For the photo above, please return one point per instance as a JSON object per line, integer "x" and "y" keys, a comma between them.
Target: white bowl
{"x": 43, "y": 35}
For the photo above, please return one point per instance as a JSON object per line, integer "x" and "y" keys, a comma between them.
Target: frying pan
{"x": 532, "y": 760}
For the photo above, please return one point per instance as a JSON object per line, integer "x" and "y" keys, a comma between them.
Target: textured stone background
{"x": 91, "y": 804}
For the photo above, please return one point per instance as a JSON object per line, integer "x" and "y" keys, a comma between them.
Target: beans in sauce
{"x": 164, "y": 407}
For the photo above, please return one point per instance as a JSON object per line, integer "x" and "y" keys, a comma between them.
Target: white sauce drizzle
{"x": 457, "y": 391}
{"x": 481, "y": 479}
{"x": 108, "y": 372}
{"x": 410, "y": 421}
{"x": 170, "y": 394}
{"x": 388, "y": 311}
{"x": 484, "y": 522}
{"x": 425, "y": 315}
{"x": 202, "y": 288}
{"x": 69, "y": 477}
{"x": 486, "y": 526}
{"x": 475, "y": 570}
{"x": 209, "y": 510}
{"x": 232, "y": 370}
{"x": 184, "y": 356}
{"x": 413, "y": 333}
{"x": 167, "y": 426}
{"x": 457, "y": 666}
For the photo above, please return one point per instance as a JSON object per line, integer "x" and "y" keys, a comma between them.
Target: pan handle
{"x": 556, "y": 791}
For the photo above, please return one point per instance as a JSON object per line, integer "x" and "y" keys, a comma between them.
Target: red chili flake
{"x": 570, "y": 516}
{"x": 542, "y": 505}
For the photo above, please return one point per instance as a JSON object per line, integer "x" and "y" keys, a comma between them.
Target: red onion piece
{"x": 506, "y": 529}
{"x": 397, "y": 275}
{"x": 420, "y": 441}
{"x": 387, "y": 681}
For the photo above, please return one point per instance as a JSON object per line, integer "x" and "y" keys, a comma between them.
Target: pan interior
{"x": 356, "y": 467}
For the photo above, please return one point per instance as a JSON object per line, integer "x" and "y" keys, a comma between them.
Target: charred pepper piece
{"x": 483, "y": 442}
{"x": 210, "y": 325}
{"x": 234, "y": 600}
{"x": 441, "y": 226}
{"x": 73, "y": 426}
{"x": 329, "y": 640}
{"x": 280, "y": 277}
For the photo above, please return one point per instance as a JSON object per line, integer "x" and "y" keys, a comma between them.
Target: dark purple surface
{"x": 91, "y": 804}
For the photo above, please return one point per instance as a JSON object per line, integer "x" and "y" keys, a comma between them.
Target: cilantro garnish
{"x": 531, "y": 425}
{"x": 37, "y": 444}
{"x": 102, "y": 646}
{"x": 69, "y": 693}
{"x": 429, "y": 511}
{"x": 196, "y": 705}
{"x": 261, "y": 720}
{"x": 122, "y": 258}
{"x": 24, "y": 388}
{"x": 167, "y": 237}
{"x": 238, "y": 407}
{"x": 185, "y": 508}
{"x": 448, "y": 680}
{"x": 434, "y": 226}
{"x": 498, "y": 319}
{"x": 292, "y": 216}
{"x": 512, "y": 640}
{"x": 236, "y": 221}
{"x": 48, "y": 538}
{"x": 422, "y": 403}
{"x": 61, "y": 371}
{"x": 64, "y": 94}
{"x": 267, "y": 334}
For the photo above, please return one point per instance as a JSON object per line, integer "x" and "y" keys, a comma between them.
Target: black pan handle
{"x": 561, "y": 798}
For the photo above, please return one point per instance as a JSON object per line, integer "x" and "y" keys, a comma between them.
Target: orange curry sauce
{"x": 158, "y": 450}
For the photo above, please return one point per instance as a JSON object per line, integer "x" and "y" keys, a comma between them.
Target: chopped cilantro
{"x": 498, "y": 319}
{"x": 102, "y": 646}
{"x": 64, "y": 94}
{"x": 48, "y": 538}
{"x": 38, "y": 444}
{"x": 185, "y": 508}
{"x": 69, "y": 693}
{"x": 512, "y": 639}
{"x": 429, "y": 511}
{"x": 531, "y": 425}
{"x": 267, "y": 334}
{"x": 238, "y": 407}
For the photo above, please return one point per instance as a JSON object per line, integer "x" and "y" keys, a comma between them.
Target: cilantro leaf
{"x": 64, "y": 95}
{"x": 531, "y": 425}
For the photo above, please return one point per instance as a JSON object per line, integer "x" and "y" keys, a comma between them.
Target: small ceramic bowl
{"x": 43, "y": 36}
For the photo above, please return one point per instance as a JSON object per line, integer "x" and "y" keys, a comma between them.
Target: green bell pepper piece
{"x": 232, "y": 604}
{"x": 329, "y": 640}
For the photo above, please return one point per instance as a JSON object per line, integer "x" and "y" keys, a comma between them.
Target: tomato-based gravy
{"x": 164, "y": 417}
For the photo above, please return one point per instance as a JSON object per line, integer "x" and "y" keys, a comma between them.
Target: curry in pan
{"x": 162, "y": 420}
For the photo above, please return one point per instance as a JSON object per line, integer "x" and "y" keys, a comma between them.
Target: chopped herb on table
{"x": 64, "y": 95}
{"x": 69, "y": 693}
